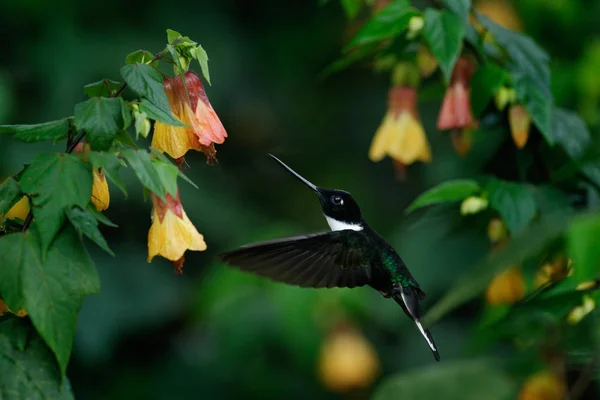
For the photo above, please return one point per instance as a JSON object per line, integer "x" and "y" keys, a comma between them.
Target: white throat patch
{"x": 336, "y": 225}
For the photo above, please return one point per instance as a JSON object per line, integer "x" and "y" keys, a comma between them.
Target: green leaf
{"x": 387, "y": 23}
{"x": 351, "y": 7}
{"x": 168, "y": 175}
{"x": 148, "y": 83}
{"x": 450, "y": 191}
{"x": 459, "y": 7}
{"x": 124, "y": 138}
{"x": 27, "y": 367}
{"x": 444, "y": 32}
{"x": 582, "y": 239}
{"x": 100, "y": 217}
{"x": 458, "y": 380}
{"x": 110, "y": 164}
{"x": 486, "y": 81}
{"x": 10, "y": 194}
{"x": 103, "y": 88}
{"x": 102, "y": 118}
{"x": 85, "y": 223}
{"x": 157, "y": 114}
{"x": 202, "y": 57}
{"x": 166, "y": 160}
{"x": 55, "y": 182}
{"x": 526, "y": 56}
{"x": 142, "y": 165}
{"x": 14, "y": 253}
{"x": 514, "y": 202}
{"x": 526, "y": 243}
{"x": 140, "y": 57}
{"x": 538, "y": 102}
{"x": 172, "y": 35}
{"x": 53, "y": 130}
{"x": 349, "y": 59}
{"x": 551, "y": 200}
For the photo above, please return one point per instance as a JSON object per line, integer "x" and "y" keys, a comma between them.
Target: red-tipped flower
{"x": 456, "y": 107}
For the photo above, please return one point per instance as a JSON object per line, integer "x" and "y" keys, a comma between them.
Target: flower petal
{"x": 100, "y": 194}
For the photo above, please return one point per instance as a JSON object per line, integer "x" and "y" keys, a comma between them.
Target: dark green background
{"x": 215, "y": 332}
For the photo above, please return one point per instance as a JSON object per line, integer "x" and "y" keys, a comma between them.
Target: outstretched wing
{"x": 331, "y": 259}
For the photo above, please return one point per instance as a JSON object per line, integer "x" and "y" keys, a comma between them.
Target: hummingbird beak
{"x": 297, "y": 175}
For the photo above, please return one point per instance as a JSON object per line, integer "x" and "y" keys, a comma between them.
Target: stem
{"x": 28, "y": 221}
{"x": 75, "y": 142}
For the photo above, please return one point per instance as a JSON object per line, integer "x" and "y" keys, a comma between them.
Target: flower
{"x": 473, "y": 205}
{"x": 100, "y": 194}
{"x": 401, "y": 135}
{"x": 507, "y": 287}
{"x": 203, "y": 129}
{"x": 4, "y": 309}
{"x": 520, "y": 122}
{"x": 553, "y": 271}
{"x": 415, "y": 26}
{"x": 543, "y": 385}
{"x": 579, "y": 312}
{"x": 456, "y": 107}
{"x": 172, "y": 233}
{"x": 348, "y": 361}
{"x": 497, "y": 230}
{"x": 426, "y": 61}
{"x": 504, "y": 96}
{"x": 19, "y": 210}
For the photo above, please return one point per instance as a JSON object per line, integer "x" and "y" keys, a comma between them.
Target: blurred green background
{"x": 215, "y": 332}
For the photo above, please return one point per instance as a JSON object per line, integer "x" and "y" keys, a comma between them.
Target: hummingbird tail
{"x": 409, "y": 301}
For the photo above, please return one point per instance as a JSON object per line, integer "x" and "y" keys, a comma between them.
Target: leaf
{"x": 14, "y": 253}
{"x": 526, "y": 56}
{"x": 458, "y": 380}
{"x": 348, "y": 59}
{"x": 157, "y": 114}
{"x": 551, "y": 200}
{"x": 102, "y": 118}
{"x": 110, "y": 164}
{"x": 582, "y": 239}
{"x": 351, "y": 7}
{"x": 148, "y": 83}
{"x": 387, "y": 23}
{"x": 53, "y": 130}
{"x": 103, "y": 88}
{"x": 484, "y": 84}
{"x": 172, "y": 35}
{"x": 168, "y": 176}
{"x": 166, "y": 160}
{"x": 450, "y": 191}
{"x": 100, "y": 217}
{"x": 124, "y": 138}
{"x": 55, "y": 182}
{"x": 27, "y": 367}
{"x": 538, "y": 102}
{"x": 10, "y": 194}
{"x": 444, "y": 32}
{"x": 514, "y": 202}
{"x": 459, "y": 7}
{"x": 85, "y": 223}
{"x": 202, "y": 57}
{"x": 524, "y": 244}
{"x": 142, "y": 165}
{"x": 140, "y": 57}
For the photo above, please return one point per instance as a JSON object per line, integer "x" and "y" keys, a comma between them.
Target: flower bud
{"x": 497, "y": 230}
{"x": 507, "y": 287}
{"x": 504, "y": 96}
{"x": 20, "y": 210}
{"x": 551, "y": 272}
{"x": 579, "y": 312}
{"x": 415, "y": 25}
{"x": 520, "y": 123}
{"x": 426, "y": 61}
{"x": 473, "y": 205}
{"x": 543, "y": 385}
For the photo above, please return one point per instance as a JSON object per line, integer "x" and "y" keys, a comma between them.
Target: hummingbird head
{"x": 340, "y": 209}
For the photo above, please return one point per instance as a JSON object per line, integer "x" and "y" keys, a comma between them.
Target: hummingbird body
{"x": 352, "y": 254}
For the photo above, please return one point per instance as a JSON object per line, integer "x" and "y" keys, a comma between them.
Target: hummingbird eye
{"x": 337, "y": 200}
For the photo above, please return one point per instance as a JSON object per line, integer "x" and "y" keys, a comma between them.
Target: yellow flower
{"x": 579, "y": 312}
{"x": 401, "y": 135}
{"x": 520, "y": 122}
{"x": 100, "y": 194}
{"x": 543, "y": 385}
{"x": 19, "y": 210}
{"x": 508, "y": 287}
{"x": 552, "y": 271}
{"x": 473, "y": 205}
{"x": 348, "y": 361}
{"x": 172, "y": 233}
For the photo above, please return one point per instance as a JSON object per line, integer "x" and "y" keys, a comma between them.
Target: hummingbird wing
{"x": 331, "y": 259}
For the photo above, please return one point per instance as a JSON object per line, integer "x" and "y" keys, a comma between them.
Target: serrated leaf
{"x": 391, "y": 21}
{"x": 148, "y": 83}
{"x": 445, "y": 192}
{"x": 538, "y": 102}
{"x": 484, "y": 84}
{"x": 514, "y": 202}
{"x": 157, "y": 114}
{"x": 14, "y": 253}
{"x": 166, "y": 160}
{"x": 103, "y": 88}
{"x": 10, "y": 194}
{"x": 55, "y": 182}
{"x": 110, "y": 164}
{"x": 100, "y": 217}
{"x": 168, "y": 175}
{"x": 172, "y": 35}
{"x": 352, "y": 7}
{"x": 123, "y": 137}
{"x": 458, "y": 380}
{"x": 53, "y": 130}
{"x": 102, "y": 118}
{"x": 27, "y": 367}
{"x": 459, "y": 7}
{"x": 444, "y": 32}
{"x": 142, "y": 166}
{"x": 141, "y": 57}
{"x": 202, "y": 57}
{"x": 582, "y": 239}
{"x": 85, "y": 223}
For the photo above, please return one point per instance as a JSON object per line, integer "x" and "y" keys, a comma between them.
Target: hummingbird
{"x": 352, "y": 254}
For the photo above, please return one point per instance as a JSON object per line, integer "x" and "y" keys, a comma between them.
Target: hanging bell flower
{"x": 100, "y": 193}
{"x": 543, "y": 385}
{"x": 507, "y": 287}
{"x": 456, "y": 108}
{"x": 20, "y": 210}
{"x": 520, "y": 124}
